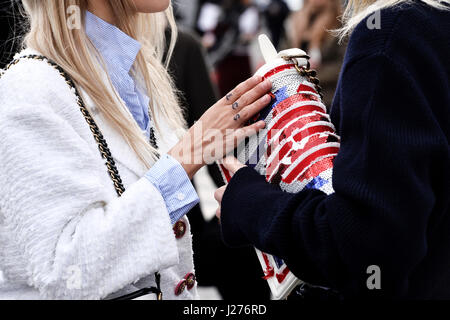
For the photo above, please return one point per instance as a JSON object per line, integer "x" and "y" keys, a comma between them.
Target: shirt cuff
{"x": 172, "y": 181}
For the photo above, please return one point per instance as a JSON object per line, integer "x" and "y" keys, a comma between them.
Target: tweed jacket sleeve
{"x": 63, "y": 230}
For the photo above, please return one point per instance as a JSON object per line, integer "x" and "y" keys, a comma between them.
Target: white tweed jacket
{"x": 64, "y": 233}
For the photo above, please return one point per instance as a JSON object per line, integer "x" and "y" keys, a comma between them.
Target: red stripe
{"x": 295, "y": 154}
{"x": 304, "y": 87}
{"x": 226, "y": 173}
{"x": 308, "y": 160}
{"x": 266, "y": 259}
{"x": 269, "y": 272}
{"x": 278, "y": 69}
{"x": 296, "y": 113}
{"x": 290, "y": 101}
{"x": 302, "y": 134}
{"x": 317, "y": 168}
{"x": 300, "y": 123}
{"x": 312, "y": 130}
{"x": 287, "y": 147}
{"x": 283, "y": 275}
{"x": 301, "y": 110}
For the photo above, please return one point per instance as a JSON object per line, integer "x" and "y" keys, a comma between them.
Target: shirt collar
{"x": 116, "y": 47}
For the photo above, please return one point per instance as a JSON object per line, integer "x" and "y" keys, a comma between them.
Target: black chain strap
{"x": 306, "y": 72}
{"x": 104, "y": 151}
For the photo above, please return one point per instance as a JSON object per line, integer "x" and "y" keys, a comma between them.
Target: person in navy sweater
{"x": 391, "y": 206}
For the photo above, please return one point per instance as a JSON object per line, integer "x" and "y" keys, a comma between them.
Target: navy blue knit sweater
{"x": 391, "y": 178}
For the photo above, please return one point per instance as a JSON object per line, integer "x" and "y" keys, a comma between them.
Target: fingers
{"x": 240, "y": 134}
{"x": 242, "y": 88}
{"x": 253, "y": 95}
{"x": 233, "y": 165}
{"x": 218, "y": 195}
{"x": 248, "y": 131}
{"x": 253, "y": 109}
{"x": 218, "y": 213}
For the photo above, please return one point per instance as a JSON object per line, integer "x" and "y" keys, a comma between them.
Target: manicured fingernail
{"x": 267, "y": 98}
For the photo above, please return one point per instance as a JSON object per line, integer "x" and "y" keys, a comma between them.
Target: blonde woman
{"x": 64, "y": 231}
{"x": 385, "y": 230}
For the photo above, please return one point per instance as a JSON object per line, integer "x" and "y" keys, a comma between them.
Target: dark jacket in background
{"x": 9, "y": 25}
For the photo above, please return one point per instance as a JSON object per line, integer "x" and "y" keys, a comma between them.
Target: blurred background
{"x": 216, "y": 50}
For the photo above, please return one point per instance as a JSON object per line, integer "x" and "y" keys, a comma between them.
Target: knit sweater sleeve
{"x": 378, "y": 214}
{"x": 77, "y": 239}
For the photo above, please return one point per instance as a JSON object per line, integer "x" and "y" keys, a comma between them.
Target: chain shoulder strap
{"x": 104, "y": 151}
{"x": 98, "y": 136}
{"x": 306, "y": 72}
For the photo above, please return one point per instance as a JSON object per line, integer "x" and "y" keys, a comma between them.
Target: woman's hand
{"x": 233, "y": 165}
{"x": 222, "y": 127}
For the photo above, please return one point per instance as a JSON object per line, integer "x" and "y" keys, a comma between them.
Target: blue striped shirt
{"x": 119, "y": 51}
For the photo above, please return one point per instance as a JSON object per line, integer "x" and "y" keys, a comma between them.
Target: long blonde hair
{"x": 358, "y": 10}
{"x": 72, "y": 50}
